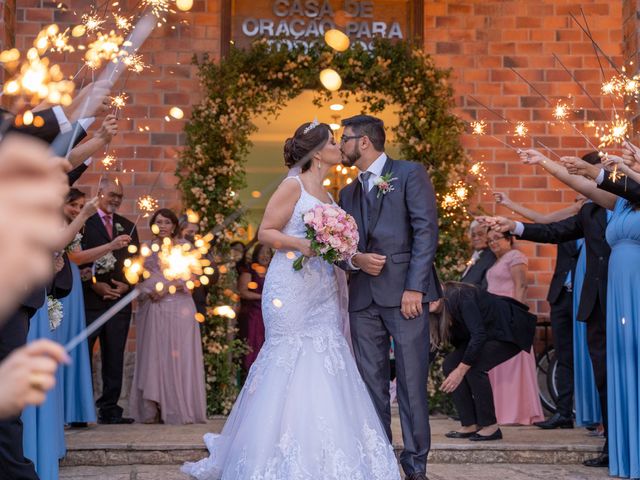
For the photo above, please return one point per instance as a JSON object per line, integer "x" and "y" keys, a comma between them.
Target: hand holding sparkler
{"x": 630, "y": 154}
{"x": 119, "y": 242}
{"x": 577, "y": 166}
{"x": 499, "y": 224}
{"x": 501, "y": 198}
{"x": 108, "y": 129}
{"x": 94, "y": 93}
{"x": 532, "y": 157}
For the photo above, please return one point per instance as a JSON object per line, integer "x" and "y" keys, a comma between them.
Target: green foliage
{"x": 256, "y": 82}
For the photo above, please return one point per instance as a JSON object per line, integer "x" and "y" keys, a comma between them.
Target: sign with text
{"x": 292, "y": 23}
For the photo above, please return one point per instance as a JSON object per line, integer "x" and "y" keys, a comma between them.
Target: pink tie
{"x": 108, "y": 225}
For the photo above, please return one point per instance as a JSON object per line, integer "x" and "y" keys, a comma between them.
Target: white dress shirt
{"x": 376, "y": 172}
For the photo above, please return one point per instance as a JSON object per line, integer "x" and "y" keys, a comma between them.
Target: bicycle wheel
{"x": 545, "y": 368}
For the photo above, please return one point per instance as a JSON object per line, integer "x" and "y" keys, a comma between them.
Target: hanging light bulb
{"x": 336, "y": 40}
{"x": 330, "y": 79}
{"x": 184, "y": 5}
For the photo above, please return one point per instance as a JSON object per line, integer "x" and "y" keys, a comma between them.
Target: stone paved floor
{"x": 436, "y": 472}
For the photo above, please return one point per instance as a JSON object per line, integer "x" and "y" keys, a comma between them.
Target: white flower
{"x": 54, "y": 309}
{"x": 75, "y": 243}
{"x": 105, "y": 264}
{"x": 119, "y": 228}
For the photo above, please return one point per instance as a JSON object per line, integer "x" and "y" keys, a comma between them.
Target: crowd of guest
{"x": 594, "y": 312}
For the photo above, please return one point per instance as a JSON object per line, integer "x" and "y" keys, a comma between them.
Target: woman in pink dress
{"x": 514, "y": 382}
{"x": 168, "y": 380}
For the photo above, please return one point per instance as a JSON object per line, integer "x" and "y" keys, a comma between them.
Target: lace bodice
{"x": 295, "y": 227}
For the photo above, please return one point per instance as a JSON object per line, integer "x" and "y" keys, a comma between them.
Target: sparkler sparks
{"x": 614, "y": 133}
{"x": 621, "y": 86}
{"x": 134, "y": 63}
{"x": 520, "y": 130}
{"x": 561, "y": 111}
{"x": 147, "y": 204}
{"x": 92, "y": 22}
{"x": 105, "y": 48}
{"x": 119, "y": 101}
{"x": 108, "y": 161}
{"x": 122, "y": 22}
{"x": 39, "y": 81}
{"x": 51, "y": 38}
{"x": 158, "y": 7}
{"x": 479, "y": 128}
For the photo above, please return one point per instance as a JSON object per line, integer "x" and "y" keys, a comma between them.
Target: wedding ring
{"x": 36, "y": 380}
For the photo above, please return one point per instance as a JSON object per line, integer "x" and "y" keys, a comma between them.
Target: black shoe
{"x": 454, "y": 434}
{"x": 115, "y": 420}
{"x": 417, "y": 476}
{"x": 556, "y": 421}
{"x": 78, "y": 425}
{"x": 476, "y": 437}
{"x": 601, "y": 460}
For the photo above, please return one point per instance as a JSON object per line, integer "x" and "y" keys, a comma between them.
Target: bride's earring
{"x": 319, "y": 165}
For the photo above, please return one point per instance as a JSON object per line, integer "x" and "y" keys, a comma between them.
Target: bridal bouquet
{"x": 105, "y": 264}
{"x": 333, "y": 234}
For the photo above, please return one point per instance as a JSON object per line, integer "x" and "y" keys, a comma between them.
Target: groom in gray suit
{"x": 392, "y": 280}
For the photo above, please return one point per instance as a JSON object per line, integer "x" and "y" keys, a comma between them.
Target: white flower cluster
{"x": 54, "y": 309}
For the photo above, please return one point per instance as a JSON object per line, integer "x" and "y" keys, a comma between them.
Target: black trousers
{"x": 474, "y": 397}
{"x": 597, "y": 342}
{"x": 113, "y": 339}
{"x": 562, "y": 327}
{"x": 13, "y": 464}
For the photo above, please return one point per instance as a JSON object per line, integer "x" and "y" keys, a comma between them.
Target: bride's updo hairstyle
{"x": 309, "y": 138}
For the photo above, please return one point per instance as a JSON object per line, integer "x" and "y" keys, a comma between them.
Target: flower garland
{"x": 256, "y": 82}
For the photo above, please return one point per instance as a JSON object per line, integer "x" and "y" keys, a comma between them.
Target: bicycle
{"x": 547, "y": 369}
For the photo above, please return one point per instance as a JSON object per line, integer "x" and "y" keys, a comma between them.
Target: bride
{"x": 304, "y": 412}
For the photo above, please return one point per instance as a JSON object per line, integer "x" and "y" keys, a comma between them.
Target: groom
{"x": 392, "y": 280}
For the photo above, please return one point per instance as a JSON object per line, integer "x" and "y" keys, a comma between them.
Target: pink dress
{"x": 514, "y": 382}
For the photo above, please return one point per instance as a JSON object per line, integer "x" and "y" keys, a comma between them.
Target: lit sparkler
{"x": 561, "y": 111}
{"x": 122, "y": 22}
{"x": 479, "y": 128}
{"x": 108, "y": 161}
{"x": 134, "y": 63}
{"x": 147, "y": 204}
{"x": 119, "y": 101}
{"x": 158, "y": 7}
{"x": 105, "y": 48}
{"x": 91, "y": 22}
{"x": 40, "y": 81}
{"x": 614, "y": 133}
{"x": 51, "y": 38}
{"x": 520, "y": 129}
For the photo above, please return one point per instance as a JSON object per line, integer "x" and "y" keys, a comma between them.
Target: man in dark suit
{"x": 392, "y": 279}
{"x": 110, "y": 284}
{"x": 590, "y": 223}
{"x": 481, "y": 260}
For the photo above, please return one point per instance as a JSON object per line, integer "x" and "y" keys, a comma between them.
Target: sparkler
{"x": 119, "y": 101}
{"x": 51, "y": 38}
{"x": 147, "y": 204}
{"x": 105, "y": 48}
{"x": 108, "y": 161}
{"x": 40, "y": 81}
{"x": 91, "y": 22}
{"x": 561, "y": 111}
{"x": 159, "y": 8}
{"x": 479, "y": 128}
{"x": 122, "y": 22}
{"x": 521, "y": 130}
{"x": 134, "y": 63}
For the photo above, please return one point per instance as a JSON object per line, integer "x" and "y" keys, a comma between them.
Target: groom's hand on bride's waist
{"x": 370, "y": 263}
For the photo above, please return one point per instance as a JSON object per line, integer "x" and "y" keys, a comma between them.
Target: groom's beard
{"x": 350, "y": 159}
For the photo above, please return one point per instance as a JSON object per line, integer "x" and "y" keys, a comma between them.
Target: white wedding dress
{"x": 304, "y": 412}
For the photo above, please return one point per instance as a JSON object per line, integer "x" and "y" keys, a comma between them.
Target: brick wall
{"x": 478, "y": 39}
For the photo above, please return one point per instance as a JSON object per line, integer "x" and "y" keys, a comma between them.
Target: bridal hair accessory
{"x": 311, "y": 126}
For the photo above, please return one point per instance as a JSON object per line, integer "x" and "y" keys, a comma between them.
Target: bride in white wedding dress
{"x": 304, "y": 412}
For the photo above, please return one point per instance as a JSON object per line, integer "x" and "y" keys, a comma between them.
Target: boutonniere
{"x": 119, "y": 228}
{"x": 383, "y": 182}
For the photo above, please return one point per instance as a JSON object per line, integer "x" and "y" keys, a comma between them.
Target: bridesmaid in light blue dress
{"x": 623, "y": 341}
{"x": 43, "y": 437}
{"x": 75, "y": 378}
{"x": 585, "y": 392}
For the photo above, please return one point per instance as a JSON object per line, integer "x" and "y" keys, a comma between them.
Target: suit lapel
{"x": 377, "y": 204}
{"x": 356, "y": 211}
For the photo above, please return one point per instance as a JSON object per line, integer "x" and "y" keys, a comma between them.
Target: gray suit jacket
{"x": 403, "y": 226}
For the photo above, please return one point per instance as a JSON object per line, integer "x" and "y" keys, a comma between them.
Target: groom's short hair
{"x": 369, "y": 126}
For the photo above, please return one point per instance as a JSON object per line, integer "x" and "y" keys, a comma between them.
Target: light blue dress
{"x": 623, "y": 341}
{"x": 585, "y": 392}
{"x": 75, "y": 378}
{"x": 43, "y": 437}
